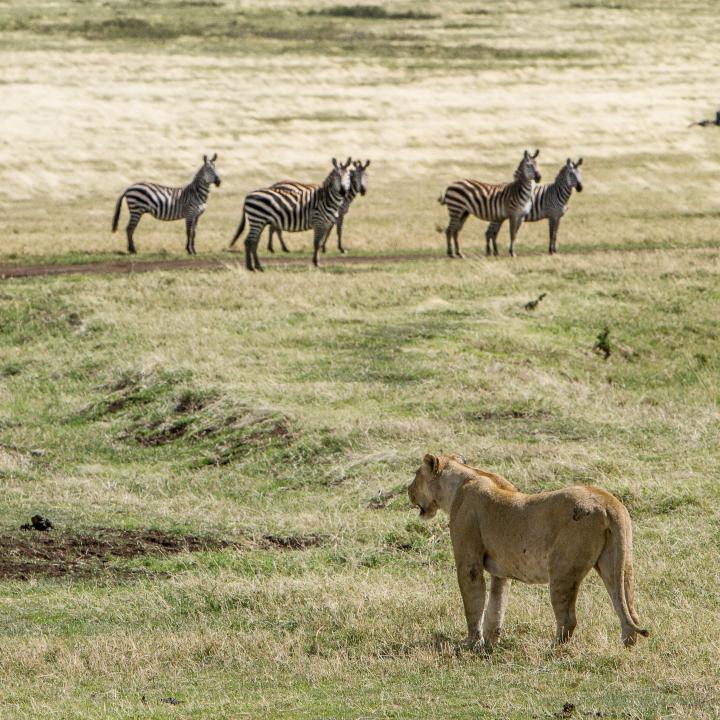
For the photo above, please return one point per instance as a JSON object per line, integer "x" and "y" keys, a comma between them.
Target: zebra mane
{"x": 199, "y": 178}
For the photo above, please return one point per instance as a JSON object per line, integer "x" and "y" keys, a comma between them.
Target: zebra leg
{"x": 321, "y": 233}
{"x": 554, "y": 225}
{"x": 251, "y": 242}
{"x": 270, "y": 237}
{"x": 448, "y": 233}
{"x": 323, "y": 247}
{"x": 491, "y": 234}
{"x": 458, "y": 228}
{"x": 282, "y": 242}
{"x": 339, "y": 227}
{"x": 515, "y": 223}
{"x": 130, "y": 231}
{"x": 194, "y": 232}
{"x": 189, "y": 225}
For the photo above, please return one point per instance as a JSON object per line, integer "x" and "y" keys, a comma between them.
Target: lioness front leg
{"x": 472, "y": 588}
{"x": 495, "y": 613}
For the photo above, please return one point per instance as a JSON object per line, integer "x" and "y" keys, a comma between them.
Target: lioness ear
{"x": 432, "y": 462}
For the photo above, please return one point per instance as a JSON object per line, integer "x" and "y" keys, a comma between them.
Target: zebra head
{"x": 528, "y": 169}
{"x": 207, "y": 171}
{"x": 359, "y": 177}
{"x": 572, "y": 175}
{"x": 339, "y": 177}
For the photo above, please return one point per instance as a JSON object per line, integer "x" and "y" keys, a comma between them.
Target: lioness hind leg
{"x": 563, "y": 595}
{"x": 495, "y": 612}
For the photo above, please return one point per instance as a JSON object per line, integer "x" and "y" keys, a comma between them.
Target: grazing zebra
{"x": 169, "y": 203}
{"x": 491, "y": 202}
{"x": 548, "y": 202}
{"x": 358, "y": 184}
{"x": 310, "y": 206}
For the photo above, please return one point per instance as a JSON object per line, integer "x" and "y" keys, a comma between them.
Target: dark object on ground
{"x": 170, "y": 700}
{"x": 602, "y": 344}
{"x": 37, "y": 522}
{"x": 534, "y": 303}
{"x": 293, "y": 542}
{"x": 381, "y": 499}
{"x": 567, "y": 711}
{"x": 707, "y": 123}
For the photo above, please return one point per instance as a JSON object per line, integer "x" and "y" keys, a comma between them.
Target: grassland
{"x": 286, "y": 412}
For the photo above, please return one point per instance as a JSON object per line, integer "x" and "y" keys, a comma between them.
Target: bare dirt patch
{"x": 140, "y": 266}
{"x": 82, "y": 555}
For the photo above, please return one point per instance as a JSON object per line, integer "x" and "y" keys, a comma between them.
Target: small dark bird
{"x": 707, "y": 123}
{"x": 37, "y": 522}
{"x": 534, "y": 303}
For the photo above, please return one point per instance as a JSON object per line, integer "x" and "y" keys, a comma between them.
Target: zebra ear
{"x": 578, "y": 163}
{"x": 335, "y": 163}
{"x": 347, "y": 163}
{"x": 537, "y": 152}
{"x": 526, "y": 154}
{"x": 214, "y": 158}
{"x": 366, "y": 164}
{"x": 204, "y": 158}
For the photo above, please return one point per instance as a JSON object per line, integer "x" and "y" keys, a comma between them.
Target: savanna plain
{"x": 224, "y": 455}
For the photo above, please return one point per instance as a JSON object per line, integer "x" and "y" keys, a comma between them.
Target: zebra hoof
{"x": 270, "y": 250}
{"x": 343, "y": 251}
{"x": 459, "y": 255}
{"x": 285, "y": 250}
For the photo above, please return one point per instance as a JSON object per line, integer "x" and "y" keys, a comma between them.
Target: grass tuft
{"x": 370, "y": 12}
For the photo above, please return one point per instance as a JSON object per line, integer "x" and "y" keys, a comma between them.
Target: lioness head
{"x": 423, "y": 491}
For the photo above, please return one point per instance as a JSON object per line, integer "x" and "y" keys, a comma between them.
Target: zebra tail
{"x": 441, "y": 199}
{"x": 240, "y": 229}
{"x": 118, "y": 207}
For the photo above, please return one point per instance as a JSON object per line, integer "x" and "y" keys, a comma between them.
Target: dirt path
{"x": 234, "y": 261}
{"x": 138, "y": 266}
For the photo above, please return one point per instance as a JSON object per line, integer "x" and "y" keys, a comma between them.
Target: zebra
{"x": 491, "y": 202}
{"x": 358, "y": 184}
{"x": 314, "y": 206}
{"x": 169, "y": 203}
{"x": 548, "y": 202}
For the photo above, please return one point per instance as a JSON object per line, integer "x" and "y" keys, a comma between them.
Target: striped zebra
{"x": 358, "y": 185}
{"x": 305, "y": 207}
{"x": 491, "y": 202}
{"x": 169, "y": 203}
{"x": 549, "y": 202}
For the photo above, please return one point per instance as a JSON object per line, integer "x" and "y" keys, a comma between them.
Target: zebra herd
{"x": 294, "y": 207}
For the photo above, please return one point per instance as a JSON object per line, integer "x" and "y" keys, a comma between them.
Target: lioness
{"x": 552, "y": 537}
